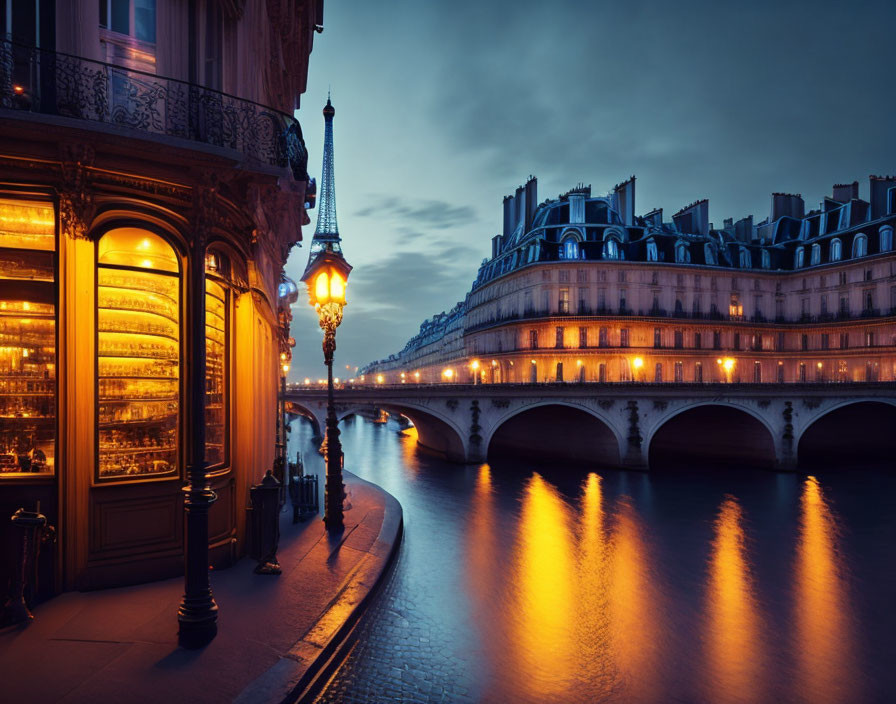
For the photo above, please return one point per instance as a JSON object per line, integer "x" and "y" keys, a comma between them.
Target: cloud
{"x": 438, "y": 214}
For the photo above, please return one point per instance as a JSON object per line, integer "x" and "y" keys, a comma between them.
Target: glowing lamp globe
{"x": 326, "y": 277}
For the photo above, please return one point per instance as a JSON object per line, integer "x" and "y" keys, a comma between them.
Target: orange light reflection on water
{"x": 734, "y": 651}
{"x": 543, "y": 637}
{"x": 634, "y": 608}
{"x": 824, "y": 644}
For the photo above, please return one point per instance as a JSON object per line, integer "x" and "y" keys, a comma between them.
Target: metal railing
{"x": 53, "y": 83}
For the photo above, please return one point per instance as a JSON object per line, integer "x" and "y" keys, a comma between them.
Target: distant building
{"x": 581, "y": 289}
{"x": 150, "y": 159}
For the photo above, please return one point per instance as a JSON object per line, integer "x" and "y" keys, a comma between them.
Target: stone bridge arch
{"x": 849, "y": 432}
{"x": 606, "y": 447}
{"x": 712, "y": 430}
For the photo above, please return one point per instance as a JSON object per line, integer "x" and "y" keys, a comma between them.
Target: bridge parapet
{"x": 461, "y": 420}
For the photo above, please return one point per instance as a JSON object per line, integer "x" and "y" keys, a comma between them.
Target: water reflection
{"x": 634, "y": 607}
{"x": 824, "y": 641}
{"x": 544, "y": 582}
{"x": 734, "y": 651}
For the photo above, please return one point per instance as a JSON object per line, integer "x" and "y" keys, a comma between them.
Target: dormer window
{"x": 836, "y": 251}
{"x": 816, "y": 255}
{"x": 799, "y": 258}
{"x": 859, "y": 246}
{"x": 745, "y": 262}
{"x": 651, "y": 251}
{"x": 611, "y": 249}
{"x": 682, "y": 254}
{"x": 709, "y": 254}
{"x": 886, "y": 238}
{"x": 766, "y": 259}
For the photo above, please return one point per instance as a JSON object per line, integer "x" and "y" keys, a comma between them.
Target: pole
{"x": 198, "y": 612}
{"x": 334, "y": 491}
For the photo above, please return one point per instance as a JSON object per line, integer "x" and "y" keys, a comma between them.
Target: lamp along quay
{"x": 326, "y": 276}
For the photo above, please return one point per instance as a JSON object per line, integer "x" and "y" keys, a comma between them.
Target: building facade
{"x": 580, "y": 289}
{"x": 152, "y": 182}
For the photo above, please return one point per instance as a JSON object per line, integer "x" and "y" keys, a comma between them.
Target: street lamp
{"x": 326, "y": 275}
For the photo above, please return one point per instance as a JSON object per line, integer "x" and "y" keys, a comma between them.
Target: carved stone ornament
{"x": 77, "y": 203}
{"x": 205, "y": 211}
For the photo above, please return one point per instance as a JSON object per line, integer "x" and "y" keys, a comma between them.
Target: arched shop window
{"x": 27, "y": 338}
{"x": 138, "y": 348}
{"x": 217, "y": 357}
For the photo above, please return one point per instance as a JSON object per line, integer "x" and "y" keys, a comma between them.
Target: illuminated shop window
{"x": 27, "y": 339}
{"x": 138, "y": 346}
{"x": 216, "y": 359}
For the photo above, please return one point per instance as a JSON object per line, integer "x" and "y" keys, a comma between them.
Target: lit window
{"x": 27, "y": 338}
{"x": 138, "y": 345}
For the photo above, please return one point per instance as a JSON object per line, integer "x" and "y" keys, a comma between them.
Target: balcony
{"x": 52, "y": 83}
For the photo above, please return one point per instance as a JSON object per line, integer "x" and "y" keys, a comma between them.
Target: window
{"x": 815, "y": 257}
{"x": 779, "y": 345}
{"x": 717, "y": 339}
{"x": 843, "y": 278}
{"x": 657, "y": 337}
{"x": 138, "y": 343}
{"x": 679, "y": 339}
{"x": 583, "y": 337}
{"x": 886, "y": 238}
{"x": 570, "y": 249}
{"x": 779, "y": 310}
{"x": 819, "y": 371}
{"x": 756, "y": 342}
{"x": 802, "y": 372}
{"x": 136, "y": 18}
{"x": 216, "y": 359}
{"x": 737, "y": 340}
{"x": 611, "y": 249}
{"x": 859, "y": 246}
{"x": 766, "y": 259}
{"x": 698, "y": 339}
{"x": 825, "y": 341}
{"x": 27, "y": 338}
{"x": 603, "y": 339}
{"x": 709, "y": 254}
{"x": 844, "y": 340}
{"x": 757, "y": 372}
{"x": 842, "y": 371}
{"x": 804, "y": 342}
{"x": 824, "y": 305}
{"x": 602, "y": 299}
{"x": 651, "y": 251}
{"x": 622, "y": 302}
{"x": 799, "y": 258}
{"x": 869, "y": 339}
{"x": 583, "y": 301}
{"x": 744, "y": 258}
{"x": 623, "y": 337}
{"x": 533, "y": 339}
{"x": 602, "y": 372}
{"x": 658, "y": 372}
{"x": 695, "y": 307}
{"x": 654, "y": 278}
{"x": 559, "y": 374}
{"x": 698, "y": 372}
{"x": 559, "y": 337}
{"x": 622, "y": 277}
{"x": 679, "y": 374}
{"x": 780, "y": 373}
{"x": 563, "y": 276}
{"x": 844, "y": 306}
{"x": 836, "y": 251}
{"x": 869, "y": 301}
{"x": 735, "y": 308}
{"x": 563, "y": 301}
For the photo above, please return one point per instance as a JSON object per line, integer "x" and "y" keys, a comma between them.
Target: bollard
{"x": 265, "y": 499}
{"x": 33, "y": 525}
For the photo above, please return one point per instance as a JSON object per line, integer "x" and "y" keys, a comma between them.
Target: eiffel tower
{"x": 326, "y": 234}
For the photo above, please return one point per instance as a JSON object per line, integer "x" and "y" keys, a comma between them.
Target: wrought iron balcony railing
{"x": 52, "y": 83}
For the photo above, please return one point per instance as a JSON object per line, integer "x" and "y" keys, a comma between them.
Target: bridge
{"x": 634, "y": 425}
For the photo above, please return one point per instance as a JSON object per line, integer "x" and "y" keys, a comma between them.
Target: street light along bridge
{"x": 634, "y": 425}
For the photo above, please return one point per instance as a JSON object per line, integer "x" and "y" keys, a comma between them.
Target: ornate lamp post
{"x": 326, "y": 276}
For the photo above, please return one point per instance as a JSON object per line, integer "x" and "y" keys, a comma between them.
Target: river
{"x": 557, "y": 583}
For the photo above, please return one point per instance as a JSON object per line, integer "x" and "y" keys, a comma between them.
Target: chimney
{"x": 845, "y": 192}
{"x": 625, "y": 200}
{"x": 531, "y": 201}
{"x": 787, "y": 205}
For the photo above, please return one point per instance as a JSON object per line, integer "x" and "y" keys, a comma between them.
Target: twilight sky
{"x": 442, "y": 108}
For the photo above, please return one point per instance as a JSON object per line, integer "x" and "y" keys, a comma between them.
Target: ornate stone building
{"x": 152, "y": 182}
{"x": 580, "y": 289}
